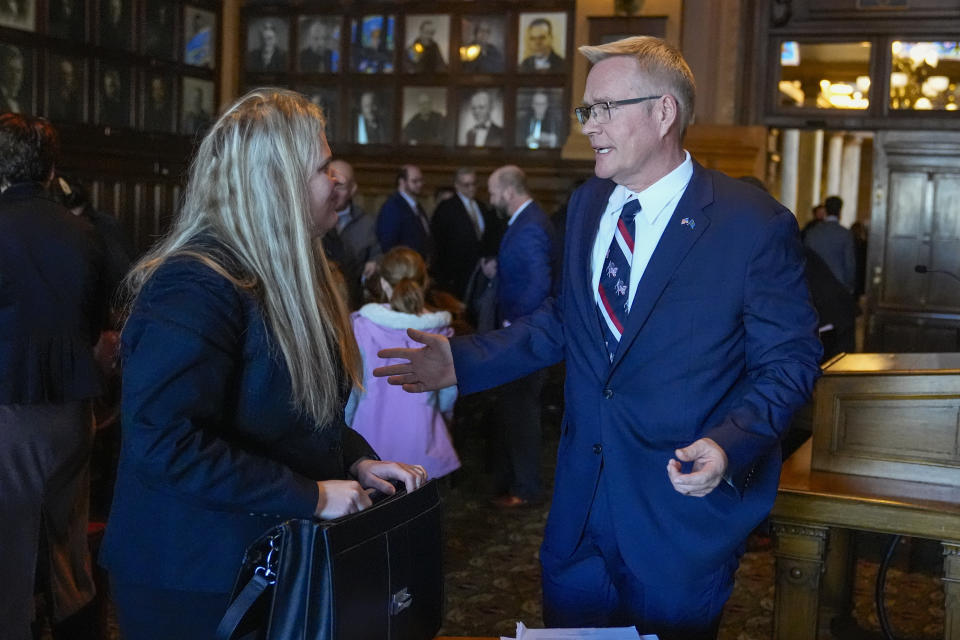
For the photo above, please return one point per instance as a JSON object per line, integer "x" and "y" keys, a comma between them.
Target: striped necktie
{"x": 614, "y": 288}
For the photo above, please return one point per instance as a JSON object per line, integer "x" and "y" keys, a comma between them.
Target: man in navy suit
{"x": 402, "y": 221}
{"x": 528, "y": 266}
{"x": 689, "y": 341}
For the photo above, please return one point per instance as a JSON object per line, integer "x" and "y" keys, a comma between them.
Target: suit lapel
{"x": 677, "y": 240}
{"x": 580, "y": 242}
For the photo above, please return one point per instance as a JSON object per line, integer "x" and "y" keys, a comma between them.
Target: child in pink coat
{"x": 409, "y": 427}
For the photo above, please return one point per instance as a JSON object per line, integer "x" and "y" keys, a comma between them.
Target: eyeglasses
{"x": 600, "y": 111}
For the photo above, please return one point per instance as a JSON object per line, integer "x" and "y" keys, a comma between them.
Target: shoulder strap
{"x": 247, "y": 597}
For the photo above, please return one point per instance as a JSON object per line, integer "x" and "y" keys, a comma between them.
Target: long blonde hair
{"x": 248, "y": 189}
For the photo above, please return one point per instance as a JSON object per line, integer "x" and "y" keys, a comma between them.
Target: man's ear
{"x": 353, "y": 190}
{"x": 668, "y": 113}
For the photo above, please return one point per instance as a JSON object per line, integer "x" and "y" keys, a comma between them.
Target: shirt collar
{"x": 654, "y": 198}
{"x": 519, "y": 211}
{"x": 465, "y": 200}
{"x": 409, "y": 199}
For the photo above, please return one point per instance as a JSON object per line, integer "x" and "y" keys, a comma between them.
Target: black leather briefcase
{"x": 373, "y": 575}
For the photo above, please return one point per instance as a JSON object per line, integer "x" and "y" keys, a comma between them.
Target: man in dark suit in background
{"x": 402, "y": 221}
{"x": 834, "y": 243}
{"x": 485, "y": 132}
{"x": 53, "y": 310}
{"x": 464, "y": 232}
{"x": 528, "y": 273}
{"x": 689, "y": 340}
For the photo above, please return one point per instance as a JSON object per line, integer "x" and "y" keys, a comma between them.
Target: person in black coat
{"x": 50, "y": 317}
{"x": 464, "y": 232}
{"x": 238, "y": 359}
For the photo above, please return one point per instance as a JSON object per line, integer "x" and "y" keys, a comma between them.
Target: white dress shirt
{"x": 657, "y": 204}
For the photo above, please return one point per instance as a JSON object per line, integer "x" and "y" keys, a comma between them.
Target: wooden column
{"x": 951, "y": 590}
{"x": 799, "y": 550}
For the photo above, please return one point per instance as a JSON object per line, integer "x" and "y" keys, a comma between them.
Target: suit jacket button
{"x": 608, "y": 393}
{"x": 597, "y": 448}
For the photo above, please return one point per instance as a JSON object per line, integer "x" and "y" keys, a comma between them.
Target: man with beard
{"x": 528, "y": 269}
{"x": 402, "y": 221}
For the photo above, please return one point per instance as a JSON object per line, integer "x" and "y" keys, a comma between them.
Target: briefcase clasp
{"x": 400, "y": 601}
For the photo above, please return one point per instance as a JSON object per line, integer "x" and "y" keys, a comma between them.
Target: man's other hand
{"x": 427, "y": 369}
{"x": 709, "y": 465}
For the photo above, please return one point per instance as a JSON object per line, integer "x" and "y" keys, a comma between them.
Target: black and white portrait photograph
{"x": 199, "y": 37}
{"x": 268, "y": 41}
{"x": 65, "y": 19}
{"x": 484, "y": 43}
{"x": 197, "y": 106}
{"x": 425, "y": 116}
{"x": 19, "y": 14}
{"x": 542, "y": 42}
{"x": 157, "y": 110}
{"x": 540, "y": 118}
{"x": 113, "y": 95}
{"x": 66, "y": 99}
{"x": 427, "y": 47}
{"x": 16, "y": 79}
{"x": 116, "y": 24}
{"x": 319, "y": 41}
{"x": 372, "y": 44}
{"x": 481, "y": 118}
{"x": 329, "y": 101}
{"x": 371, "y": 116}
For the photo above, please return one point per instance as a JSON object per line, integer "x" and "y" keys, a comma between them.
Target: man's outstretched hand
{"x": 427, "y": 369}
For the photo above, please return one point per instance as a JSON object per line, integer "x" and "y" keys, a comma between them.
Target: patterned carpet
{"x": 493, "y": 576}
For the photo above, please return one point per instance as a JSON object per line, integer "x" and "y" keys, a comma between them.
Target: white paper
{"x": 612, "y": 633}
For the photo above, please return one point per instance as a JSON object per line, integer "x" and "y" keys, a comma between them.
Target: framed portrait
{"x": 66, "y": 88}
{"x": 17, "y": 78}
{"x": 66, "y": 19}
{"x": 268, "y": 40}
{"x": 19, "y": 14}
{"x": 116, "y": 24}
{"x": 113, "y": 95}
{"x": 329, "y": 101}
{"x": 484, "y": 43}
{"x": 480, "y": 121}
{"x": 541, "y": 120}
{"x": 371, "y": 116}
{"x": 158, "y": 104}
{"x": 319, "y": 41}
{"x": 159, "y": 28}
{"x": 424, "y": 118}
{"x": 199, "y": 37}
{"x": 196, "y": 101}
{"x": 427, "y": 46}
{"x": 542, "y": 42}
{"x": 372, "y": 44}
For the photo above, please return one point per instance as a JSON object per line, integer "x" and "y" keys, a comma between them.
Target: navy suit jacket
{"x": 52, "y": 300}
{"x": 213, "y": 451}
{"x": 528, "y": 264}
{"x": 398, "y": 224}
{"x": 720, "y": 342}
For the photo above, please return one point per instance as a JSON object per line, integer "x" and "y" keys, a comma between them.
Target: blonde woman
{"x": 238, "y": 358}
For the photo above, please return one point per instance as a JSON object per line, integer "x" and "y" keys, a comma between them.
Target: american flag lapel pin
{"x": 689, "y": 222}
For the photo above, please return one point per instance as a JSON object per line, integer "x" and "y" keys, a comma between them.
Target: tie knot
{"x": 630, "y": 210}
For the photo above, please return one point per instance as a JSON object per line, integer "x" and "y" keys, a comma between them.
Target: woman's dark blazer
{"x": 213, "y": 451}
{"x": 51, "y": 300}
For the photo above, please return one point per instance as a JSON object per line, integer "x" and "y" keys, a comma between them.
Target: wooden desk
{"x": 811, "y": 519}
